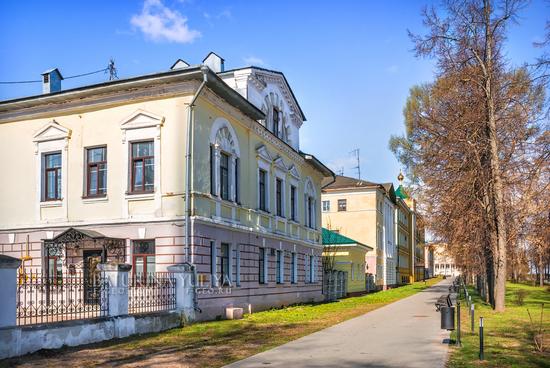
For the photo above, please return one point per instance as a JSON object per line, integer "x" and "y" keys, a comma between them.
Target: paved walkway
{"x": 402, "y": 334}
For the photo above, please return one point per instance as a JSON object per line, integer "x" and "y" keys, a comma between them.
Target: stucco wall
{"x": 16, "y": 341}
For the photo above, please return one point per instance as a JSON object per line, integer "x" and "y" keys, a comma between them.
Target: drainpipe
{"x": 190, "y": 116}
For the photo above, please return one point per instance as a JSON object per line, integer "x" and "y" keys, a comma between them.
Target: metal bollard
{"x": 481, "y": 352}
{"x": 458, "y": 343}
{"x": 472, "y": 315}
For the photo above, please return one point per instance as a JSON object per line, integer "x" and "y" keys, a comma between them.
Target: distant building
{"x": 365, "y": 211}
{"x": 347, "y": 255}
{"x": 444, "y": 263}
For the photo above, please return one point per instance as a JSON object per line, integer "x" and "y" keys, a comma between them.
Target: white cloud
{"x": 253, "y": 60}
{"x": 224, "y": 14}
{"x": 160, "y": 23}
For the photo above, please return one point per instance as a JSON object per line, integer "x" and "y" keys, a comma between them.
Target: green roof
{"x": 333, "y": 238}
{"x": 401, "y": 192}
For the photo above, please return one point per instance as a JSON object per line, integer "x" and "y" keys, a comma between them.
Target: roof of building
{"x": 274, "y": 72}
{"x": 347, "y": 183}
{"x": 215, "y": 83}
{"x": 401, "y": 192}
{"x": 334, "y": 238}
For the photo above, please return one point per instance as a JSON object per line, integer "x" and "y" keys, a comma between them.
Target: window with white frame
{"x": 262, "y": 189}
{"x": 276, "y": 118}
{"x": 293, "y": 203}
{"x": 224, "y": 161}
{"x": 238, "y": 265}
{"x": 294, "y": 268}
{"x": 312, "y": 273}
{"x": 213, "y": 263}
{"x": 326, "y": 206}
{"x": 279, "y": 197}
{"x": 280, "y": 267}
{"x": 262, "y": 266}
{"x": 310, "y": 196}
{"x": 52, "y": 176}
{"x": 51, "y": 143}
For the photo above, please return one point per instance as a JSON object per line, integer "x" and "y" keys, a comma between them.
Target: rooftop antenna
{"x": 340, "y": 171}
{"x": 111, "y": 69}
{"x": 355, "y": 152}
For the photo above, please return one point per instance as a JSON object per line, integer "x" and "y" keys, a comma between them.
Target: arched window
{"x": 310, "y": 205}
{"x": 224, "y": 161}
{"x": 277, "y": 121}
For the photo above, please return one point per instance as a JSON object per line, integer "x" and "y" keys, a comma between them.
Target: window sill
{"x": 263, "y": 212}
{"x": 95, "y": 199}
{"x": 47, "y": 204}
{"x": 140, "y": 196}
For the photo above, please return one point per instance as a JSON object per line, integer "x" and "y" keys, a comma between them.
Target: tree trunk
{"x": 541, "y": 271}
{"x": 496, "y": 195}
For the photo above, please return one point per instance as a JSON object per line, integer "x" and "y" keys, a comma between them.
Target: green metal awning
{"x": 335, "y": 239}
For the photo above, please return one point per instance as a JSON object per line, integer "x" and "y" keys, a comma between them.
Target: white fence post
{"x": 8, "y": 290}
{"x": 184, "y": 273}
{"x": 116, "y": 275}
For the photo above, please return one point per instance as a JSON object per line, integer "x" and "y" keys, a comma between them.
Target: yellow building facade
{"x": 364, "y": 211}
{"x": 194, "y": 164}
{"x": 344, "y": 254}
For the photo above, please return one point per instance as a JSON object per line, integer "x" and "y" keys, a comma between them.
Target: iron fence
{"x": 47, "y": 299}
{"x": 151, "y": 292}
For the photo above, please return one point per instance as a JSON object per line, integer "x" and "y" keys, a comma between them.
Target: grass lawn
{"x": 217, "y": 343}
{"x": 508, "y": 342}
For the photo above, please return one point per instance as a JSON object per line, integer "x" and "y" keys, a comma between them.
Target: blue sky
{"x": 348, "y": 62}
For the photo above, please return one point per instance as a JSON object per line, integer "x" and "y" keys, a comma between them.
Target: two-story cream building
{"x": 365, "y": 211}
{"x": 195, "y": 164}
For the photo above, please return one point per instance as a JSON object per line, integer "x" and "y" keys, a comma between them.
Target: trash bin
{"x": 447, "y": 318}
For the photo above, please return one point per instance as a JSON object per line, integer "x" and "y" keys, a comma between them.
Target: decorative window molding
{"x": 223, "y": 140}
{"x": 51, "y": 138}
{"x": 310, "y": 204}
{"x": 141, "y": 119}
{"x": 141, "y": 126}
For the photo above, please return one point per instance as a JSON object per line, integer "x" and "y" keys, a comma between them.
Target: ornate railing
{"x": 151, "y": 292}
{"x": 42, "y": 299}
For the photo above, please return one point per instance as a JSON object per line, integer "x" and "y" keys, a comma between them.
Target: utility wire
{"x": 85, "y": 74}
{"x": 110, "y": 68}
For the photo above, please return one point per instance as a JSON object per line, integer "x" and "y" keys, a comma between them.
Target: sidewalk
{"x": 402, "y": 334}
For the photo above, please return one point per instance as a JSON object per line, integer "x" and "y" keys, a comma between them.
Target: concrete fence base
{"x": 20, "y": 340}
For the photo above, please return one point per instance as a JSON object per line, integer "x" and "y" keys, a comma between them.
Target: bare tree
{"x": 470, "y": 136}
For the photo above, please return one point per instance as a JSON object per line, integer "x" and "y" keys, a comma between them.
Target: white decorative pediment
{"x": 263, "y": 153}
{"x": 267, "y": 77}
{"x": 294, "y": 172}
{"x": 141, "y": 119}
{"x": 280, "y": 164}
{"x": 51, "y": 132}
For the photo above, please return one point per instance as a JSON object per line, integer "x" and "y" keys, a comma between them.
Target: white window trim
{"x": 213, "y": 264}
{"x": 51, "y": 138}
{"x": 281, "y": 176}
{"x": 238, "y": 264}
{"x": 262, "y": 165}
{"x": 142, "y": 125}
{"x": 294, "y": 265}
{"x": 227, "y": 143}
